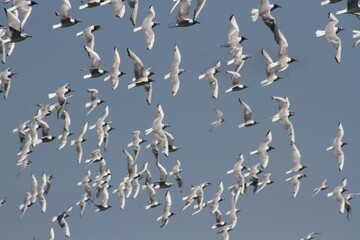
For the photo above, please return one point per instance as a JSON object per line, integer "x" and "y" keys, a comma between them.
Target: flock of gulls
{"x": 158, "y": 138}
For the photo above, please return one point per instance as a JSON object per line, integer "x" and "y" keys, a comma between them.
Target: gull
{"x": 330, "y": 33}
{"x": 238, "y": 174}
{"x": 238, "y": 59}
{"x": 135, "y": 143}
{"x": 44, "y": 109}
{"x": 337, "y": 145}
{"x": 264, "y": 13}
{"x": 107, "y": 128}
{"x": 236, "y": 85}
{"x": 119, "y": 8}
{"x": 33, "y": 134}
{"x": 247, "y": 116}
{"x": 65, "y": 16}
{"x": 264, "y": 10}
{"x": 34, "y": 189}
{"x": 131, "y": 165}
{"x": 176, "y": 173}
{"x": 66, "y": 131}
{"x": 321, "y": 187}
{"x": 309, "y": 236}
{"x": 5, "y": 80}
{"x": 163, "y": 177}
{"x": 351, "y": 8}
{"x": 82, "y": 203}
{"x": 233, "y": 212}
{"x": 95, "y": 70}
{"x": 296, "y": 183}
{"x": 134, "y": 5}
{"x": 263, "y": 149}
{"x": 13, "y": 31}
{"x": 283, "y": 116}
{"x": 27, "y": 203}
{"x": 21, "y": 131}
{"x": 337, "y": 193}
{"x": 24, "y": 7}
{"x": 88, "y": 35}
{"x": 79, "y": 139}
{"x": 166, "y": 212}
{"x": 296, "y": 156}
{"x": 210, "y": 76}
{"x": 152, "y": 197}
{"x": 270, "y": 74}
{"x": 170, "y": 141}
{"x": 115, "y": 73}
{"x": 99, "y": 126}
{"x": 284, "y": 60}
{"x": 61, "y": 218}
{"x": 217, "y": 198}
{"x": 175, "y": 71}
{"x": 264, "y": 182}
{"x": 147, "y": 26}
{"x": 183, "y": 19}
{"x": 252, "y": 174}
{"x": 347, "y": 198}
{"x": 95, "y": 157}
{"x": 85, "y": 184}
{"x": 219, "y": 120}
{"x": 219, "y": 221}
{"x": 234, "y": 40}
{"x": 46, "y": 137}
{"x": 60, "y": 94}
{"x": 193, "y": 195}
{"x": 104, "y": 202}
{"x": 329, "y": 2}
{"x": 41, "y": 193}
{"x": 93, "y": 3}
{"x": 121, "y": 194}
{"x": 94, "y": 100}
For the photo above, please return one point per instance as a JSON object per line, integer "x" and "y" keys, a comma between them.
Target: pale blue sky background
{"x": 322, "y": 94}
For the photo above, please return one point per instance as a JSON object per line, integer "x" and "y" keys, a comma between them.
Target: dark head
{"x": 275, "y": 6}
{"x": 291, "y": 113}
{"x": 242, "y": 38}
{"x": 292, "y": 60}
{"x": 101, "y": 101}
{"x": 181, "y": 71}
{"x": 271, "y": 148}
{"x": 344, "y": 143}
{"x": 32, "y": 3}
{"x": 76, "y": 21}
{"x": 155, "y": 24}
{"x": 97, "y": 27}
{"x": 151, "y": 73}
{"x": 121, "y": 73}
{"x": 338, "y": 29}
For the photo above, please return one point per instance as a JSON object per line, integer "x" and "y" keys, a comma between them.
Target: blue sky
{"x": 322, "y": 94}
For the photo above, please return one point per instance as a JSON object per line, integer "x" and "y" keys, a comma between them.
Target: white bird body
{"x": 296, "y": 183}
{"x": 147, "y": 26}
{"x": 175, "y": 71}
{"x": 247, "y": 115}
{"x": 337, "y": 145}
{"x": 210, "y": 77}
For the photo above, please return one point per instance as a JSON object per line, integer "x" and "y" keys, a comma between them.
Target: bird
{"x": 284, "y": 60}
{"x": 330, "y": 33}
{"x": 296, "y": 183}
{"x": 263, "y": 149}
{"x": 234, "y": 40}
{"x": 65, "y": 16}
{"x": 236, "y": 85}
{"x": 238, "y": 174}
{"x": 264, "y": 182}
{"x": 105, "y": 198}
{"x": 321, "y": 187}
{"x": 296, "y": 156}
{"x": 61, "y": 218}
{"x": 135, "y": 143}
{"x": 26, "y": 203}
{"x": 183, "y": 18}
{"x": 85, "y": 185}
{"x": 2, "y": 202}
{"x": 119, "y": 8}
{"x": 25, "y": 7}
{"x": 95, "y": 70}
{"x": 219, "y": 120}
{"x": 163, "y": 177}
{"x": 82, "y": 203}
{"x": 98, "y": 126}
{"x": 89, "y": 36}
{"x": 94, "y": 100}
{"x": 252, "y": 174}
{"x": 175, "y": 71}
{"x": 309, "y": 236}
{"x": 79, "y": 139}
{"x": 263, "y": 11}
{"x": 270, "y": 74}
{"x": 115, "y": 72}
{"x": 121, "y": 194}
{"x": 347, "y": 198}
{"x": 214, "y": 202}
{"x": 337, "y": 194}
{"x": 352, "y": 7}
{"x": 219, "y": 221}
{"x": 337, "y": 145}
{"x": 176, "y": 173}
{"x": 247, "y": 115}
{"x": 210, "y": 77}
{"x": 166, "y": 212}
{"x": 5, "y": 80}
{"x": 134, "y": 5}
{"x": 283, "y": 116}
{"x": 14, "y": 32}
{"x": 147, "y": 26}
{"x": 152, "y": 197}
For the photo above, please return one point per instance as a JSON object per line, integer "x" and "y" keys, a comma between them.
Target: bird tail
{"x": 167, "y": 76}
{"x": 324, "y": 2}
{"x": 254, "y": 14}
{"x": 320, "y": 33}
{"x": 137, "y": 29}
{"x": 107, "y": 78}
{"x": 254, "y": 152}
{"x": 55, "y": 26}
